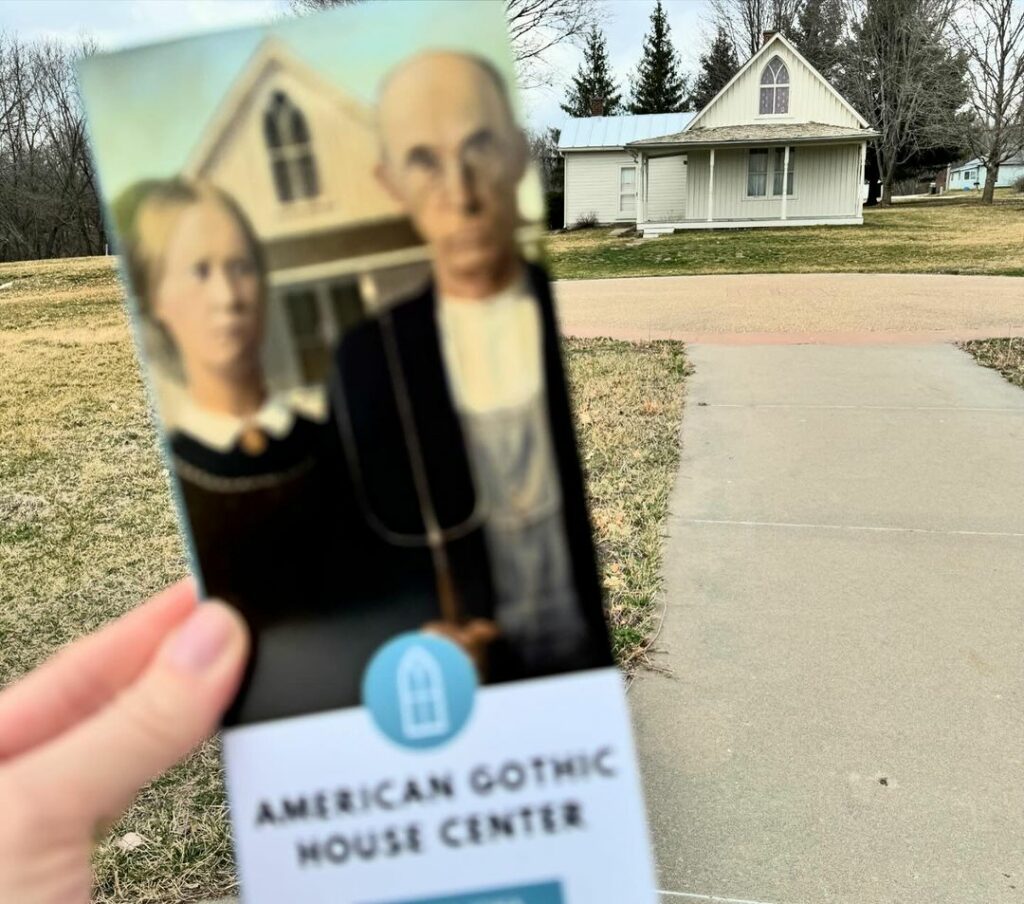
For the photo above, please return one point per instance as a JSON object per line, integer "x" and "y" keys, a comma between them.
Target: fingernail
{"x": 200, "y": 641}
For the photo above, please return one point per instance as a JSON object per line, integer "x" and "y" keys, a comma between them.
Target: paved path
{"x": 846, "y": 307}
{"x": 840, "y": 719}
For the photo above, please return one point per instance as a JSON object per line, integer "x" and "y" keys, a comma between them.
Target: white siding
{"x": 810, "y": 100}
{"x": 592, "y": 186}
{"x": 666, "y": 199}
{"x": 826, "y": 180}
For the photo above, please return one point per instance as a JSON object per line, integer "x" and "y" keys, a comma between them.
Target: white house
{"x": 600, "y": 174}
{"x": 777, "y": 146}
{"x": 972, "y": 174}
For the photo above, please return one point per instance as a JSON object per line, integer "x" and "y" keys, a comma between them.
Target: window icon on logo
{"x": 419, "y": 690}
{"x": 421, "y": 695}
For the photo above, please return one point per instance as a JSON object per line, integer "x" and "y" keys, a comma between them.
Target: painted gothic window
{"x": 774, "y": 88}
{"x": 291, "y": 151}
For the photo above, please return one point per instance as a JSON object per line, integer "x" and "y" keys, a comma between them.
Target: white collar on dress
{"x": 221, "y": 432}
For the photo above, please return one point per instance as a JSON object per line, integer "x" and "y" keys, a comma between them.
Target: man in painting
{"x": 453, "y": 403}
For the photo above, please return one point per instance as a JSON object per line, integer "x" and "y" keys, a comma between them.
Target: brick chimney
{"x": 597, "y": 106}
{"x": 767, "y": 36}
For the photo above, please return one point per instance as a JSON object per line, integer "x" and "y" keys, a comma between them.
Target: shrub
{"x": 586, "y": 220}
{"x": 1018, "y": 186}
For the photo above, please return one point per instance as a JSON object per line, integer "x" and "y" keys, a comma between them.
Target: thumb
{"x": 96, "y": 768}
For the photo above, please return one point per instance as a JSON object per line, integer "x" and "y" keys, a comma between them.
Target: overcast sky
{"x": 129, "y": 22}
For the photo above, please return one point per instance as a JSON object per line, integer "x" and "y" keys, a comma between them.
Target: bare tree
{"x": 746, "y": 21}
{"x": 991, "y": 36}
{"x": 904, "y": 77}
{"x": 48, "y": 200}
{"x": 535, "y": 27}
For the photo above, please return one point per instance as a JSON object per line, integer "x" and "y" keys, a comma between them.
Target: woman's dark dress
{"x": 279, "y": 536}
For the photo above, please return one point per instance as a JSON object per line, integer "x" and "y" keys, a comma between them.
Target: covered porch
{"x": 740, "y": 177}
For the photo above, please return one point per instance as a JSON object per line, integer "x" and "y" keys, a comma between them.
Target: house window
{"x": 306, "y": 324}
{"x": 317, "y": 317}
{"x": 774, "y": 88}
{"x": 780, "y": 166}
{"x": 627, "y": 189}
{"x": 757, "y": 173}
{"x": 291, "y": 151}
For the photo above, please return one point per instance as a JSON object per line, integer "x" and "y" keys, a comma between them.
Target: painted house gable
{"x": 811, "y": 97}
{"x": 235, "y": 153}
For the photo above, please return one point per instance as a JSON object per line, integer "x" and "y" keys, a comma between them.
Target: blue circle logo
{"x": 419, "y": 689}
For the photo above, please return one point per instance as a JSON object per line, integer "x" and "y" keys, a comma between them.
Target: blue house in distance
{"x": 971, "y": 174}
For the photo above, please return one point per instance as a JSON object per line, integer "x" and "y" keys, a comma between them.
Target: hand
{"x": 83, "y": 732}
{"x": 474, "y": 636}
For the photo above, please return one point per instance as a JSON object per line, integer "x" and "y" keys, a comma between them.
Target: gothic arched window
{"x": 291, "y": 152}
{"x": 774, "y": 88}
{"x": 421, "y": 695}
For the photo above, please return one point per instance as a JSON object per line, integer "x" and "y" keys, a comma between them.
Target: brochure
{"x": 330, "y": 235}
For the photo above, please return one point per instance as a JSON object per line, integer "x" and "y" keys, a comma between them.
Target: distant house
{"x": 777, "y": 146}
{"x": 972, "y": 174}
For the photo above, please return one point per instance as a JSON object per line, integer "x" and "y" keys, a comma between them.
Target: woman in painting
{"x": 262, "y": 483}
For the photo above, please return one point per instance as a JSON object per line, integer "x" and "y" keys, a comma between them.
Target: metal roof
{"x": 1017, "y": 160}
{"x": 806, "y": 131}
{"x": 593, "y": 132}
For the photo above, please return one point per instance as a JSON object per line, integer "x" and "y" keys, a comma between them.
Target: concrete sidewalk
{"x": 793, "y": 307}
{"x": 841, "y": 715}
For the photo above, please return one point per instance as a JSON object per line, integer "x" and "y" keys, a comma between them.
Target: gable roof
{"x": 593, "y": 132}
{"x": 271, "y": 55}
{"x": 762, "y": 52}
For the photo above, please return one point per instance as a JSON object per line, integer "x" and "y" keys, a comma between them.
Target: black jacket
{"x": 364, "y": 401}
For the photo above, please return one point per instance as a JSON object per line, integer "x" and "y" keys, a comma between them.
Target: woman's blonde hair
{"x": 146, "y": 215}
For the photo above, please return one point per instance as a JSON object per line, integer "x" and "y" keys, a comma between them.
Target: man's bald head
{"x": 431, "y": 62}
{"x": 452, "y": 154}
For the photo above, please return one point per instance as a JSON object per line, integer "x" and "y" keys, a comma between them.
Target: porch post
{"x": 711, "y": 186}
{"x": 860, "y": 185}
{"x": 647, "y": 184}
{"x": 785, "y": 179}
{"x": 641, "y": 189}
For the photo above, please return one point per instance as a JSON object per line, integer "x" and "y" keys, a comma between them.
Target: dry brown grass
{"x": 1003, "y": 355}
{"x": 87, "y": 528}
{"x": 951, "y": 234}
{"x": 628, "y": 399}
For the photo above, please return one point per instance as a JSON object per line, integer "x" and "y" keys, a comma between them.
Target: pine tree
{"x": 659, "y": 86}
{"x": 593, "y": 80}
{"x": 717, "y": 66}
{"x": 819, "y": 35}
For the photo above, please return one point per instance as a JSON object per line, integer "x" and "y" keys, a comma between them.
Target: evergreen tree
{"x": 659, "y": 86}
{"x": 819, "y": 35}
{"x": 593, "y": 80}
{"x": 717, "y": 66}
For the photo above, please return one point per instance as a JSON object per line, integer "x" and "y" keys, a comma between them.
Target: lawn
{"x": 1003, "y": 355}
{"x": 87, "y": 529}
{"x": 947, "y": 234}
